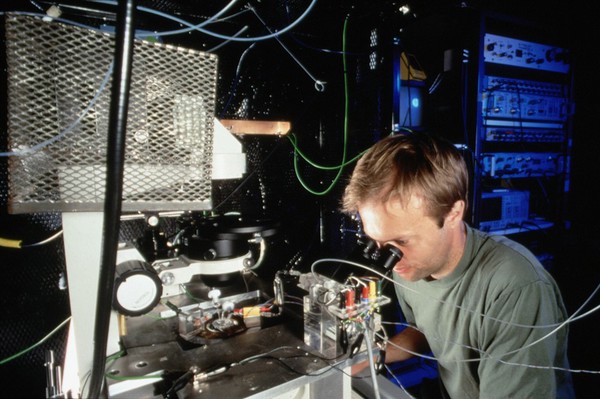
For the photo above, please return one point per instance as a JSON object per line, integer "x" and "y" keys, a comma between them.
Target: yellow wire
{"x": 7, "y": 243}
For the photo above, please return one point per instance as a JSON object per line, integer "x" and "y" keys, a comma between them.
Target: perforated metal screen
{"x": 59, "y": 80}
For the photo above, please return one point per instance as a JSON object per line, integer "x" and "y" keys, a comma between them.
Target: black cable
{"x": 114, "y": 188}
{"x": 179, "y": 383}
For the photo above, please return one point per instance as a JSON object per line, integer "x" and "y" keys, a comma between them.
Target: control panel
{"x": 522, "y": 142}
{"x": 523, "y": 99}
{"x": 504, "y": 208}
{"x": 518, "y": 134}
{"x": 513, "y": 165}
{"x": 524, "y": 54}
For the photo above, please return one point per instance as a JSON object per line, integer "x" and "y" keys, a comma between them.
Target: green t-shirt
{"x": 478, "y": 322}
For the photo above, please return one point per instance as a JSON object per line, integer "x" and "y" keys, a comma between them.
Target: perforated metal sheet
{"x": 59, "y": 80}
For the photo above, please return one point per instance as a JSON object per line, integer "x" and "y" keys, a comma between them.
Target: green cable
{"x": 346, "y": 107}
{"x": 16, "y": 355}
{"x": 294, "y": 140}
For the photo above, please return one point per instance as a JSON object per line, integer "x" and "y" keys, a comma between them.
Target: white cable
{"x": 218, "y": 46}
{"x": 557, "y": 325}
{"x": 200, "y": 25}
{"x": 262, "y": 255}
{"x": 368, "y": 338}
{"x": 484, "y": 355}
{"x": 225, "y": 37}
{"x": 398, "y": 382}
{"x": 497, "y": 358}
{"x": 319, "y": 84}
{"x": 46, "y": 241}
{"x": 54, "y": 139}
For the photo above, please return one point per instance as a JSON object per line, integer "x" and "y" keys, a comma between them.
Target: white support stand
{"x": 229, "y": 160}
{"x": 82, "y": 233}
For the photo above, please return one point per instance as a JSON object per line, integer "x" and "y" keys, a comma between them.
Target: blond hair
{"x": 409, "y": 164}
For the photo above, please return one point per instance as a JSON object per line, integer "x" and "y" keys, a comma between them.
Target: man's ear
{"x": 456, "y": 213}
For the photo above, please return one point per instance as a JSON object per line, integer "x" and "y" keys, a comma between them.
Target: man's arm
{"x": 397, "y": 349}
{"x": 519, "y": 358}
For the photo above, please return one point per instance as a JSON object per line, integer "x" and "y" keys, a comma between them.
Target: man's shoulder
{"x": 504, "y": 259}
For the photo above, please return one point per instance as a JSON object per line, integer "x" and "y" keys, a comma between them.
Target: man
{"x": 483, "y": 305}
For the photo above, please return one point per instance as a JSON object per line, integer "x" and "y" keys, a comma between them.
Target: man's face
{"x": 429, "y": 251}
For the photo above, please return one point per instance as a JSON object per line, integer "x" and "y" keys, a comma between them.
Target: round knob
{"x": 137, "y": 288}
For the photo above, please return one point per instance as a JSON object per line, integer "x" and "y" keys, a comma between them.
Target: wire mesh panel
{"x": 59, "y": 79}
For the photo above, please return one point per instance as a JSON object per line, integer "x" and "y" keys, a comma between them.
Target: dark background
{"x": 262, "y": 81}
